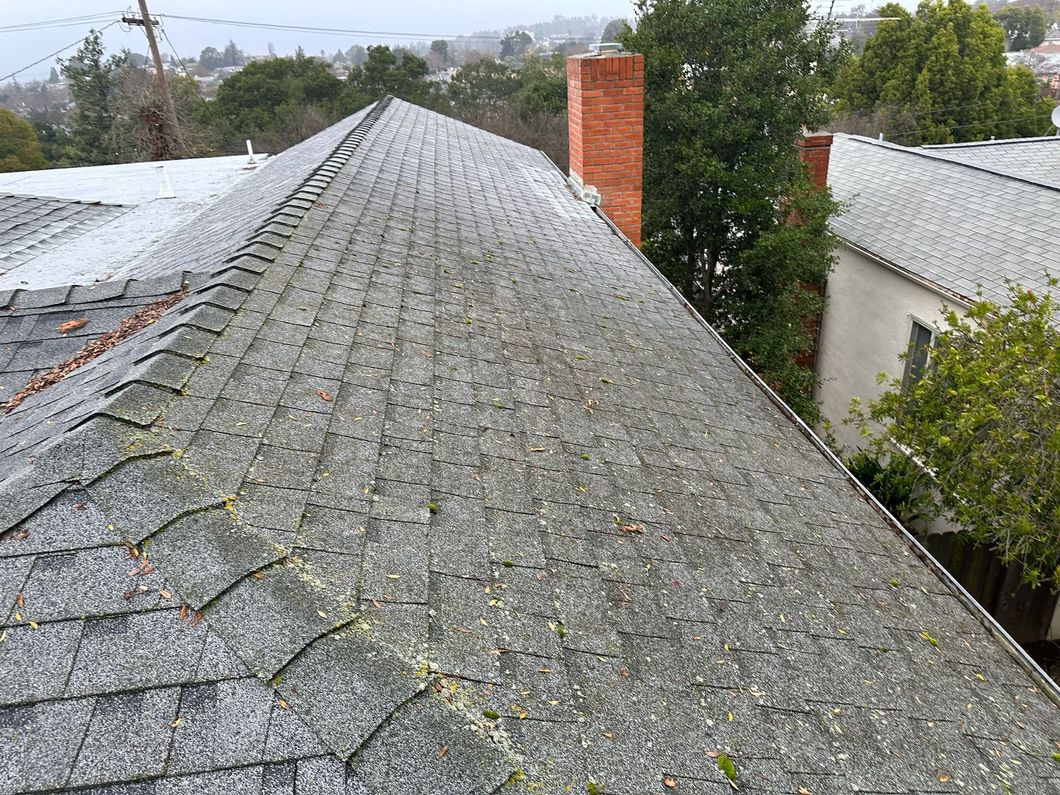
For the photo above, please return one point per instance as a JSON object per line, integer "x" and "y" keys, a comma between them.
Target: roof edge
{"x": 1049, "y": 687}
{"x": 922, "y": 152}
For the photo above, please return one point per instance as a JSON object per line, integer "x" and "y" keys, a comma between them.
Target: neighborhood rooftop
{"x": 955, "y": 217}
{"x": 430, "y": 484}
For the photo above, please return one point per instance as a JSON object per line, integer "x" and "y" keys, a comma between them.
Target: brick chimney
{"x": 814, "y": 150}
{"x": 605, "y": 121}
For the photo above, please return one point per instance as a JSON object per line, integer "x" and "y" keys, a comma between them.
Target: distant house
{"x": 924, "y": 228}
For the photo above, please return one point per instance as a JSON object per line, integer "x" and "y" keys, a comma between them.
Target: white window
{"x": 920, "y": 339}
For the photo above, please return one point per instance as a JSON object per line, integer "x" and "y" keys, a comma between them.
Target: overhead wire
{"x": 47, "y": 24}
{"x": 57, "y": 52}
{"x": 198, "y": 89}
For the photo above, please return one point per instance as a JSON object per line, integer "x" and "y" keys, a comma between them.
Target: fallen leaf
{"x": 538, "y": 449}
{"x": 175, "y": 724}
{"x": 165, "y": 593}
{"x": 443, "y": 751}
{"x": 945, "y": 779}
{"x": 670, "y": 782}
{"x": 323, "y": 395}
{"x": 20, "y": 600}
{"x": 461, "y": 630}
{"x": 80, "y": 505}
{"x": 73, "y": 325}
{"x": 183, "y": 613}
{"x": 803, "y": 791}
{"x": 34, "y": 625}
{"x": 282, "y": 703}
{"x": 375, "y": 604}
{"x": 632, "y": 528}
{"x": 199, "y": 615}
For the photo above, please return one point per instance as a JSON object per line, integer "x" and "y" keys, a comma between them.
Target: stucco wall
{"x": 865, "y": 327}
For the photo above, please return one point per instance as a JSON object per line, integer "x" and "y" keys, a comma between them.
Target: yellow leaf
{"x": 33, "y": 625}
{"x": 175, "y": 724}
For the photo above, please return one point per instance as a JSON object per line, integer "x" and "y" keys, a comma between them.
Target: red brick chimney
{"x": 605, "y": 121}
{"x": 814, "y": 150}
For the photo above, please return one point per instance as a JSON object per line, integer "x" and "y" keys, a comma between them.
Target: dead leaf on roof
{"x": 443, "y": 751}
{"x": 73, "y": 325}
{"x": 165, "y": 593}
{"x": 20, "y": 600}
{"x": 461, "y": 630}
{"x": 323, "y": 395}
{"x": 183, "y": 612}
{"x": 80, "y": 505}
{"x": 632, "y": 528}
{"x": 670, "y": 782}
{"x": 199, "y": 615}
{"x": 803, "y": 791}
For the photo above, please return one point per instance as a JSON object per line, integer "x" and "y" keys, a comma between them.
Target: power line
{"x": 63, "y": 22}
{"x": 329, "y": 31}
{"x": 57, "y": 52}
{"x": 907, "y": 133}
{"x": 198, "y": 89}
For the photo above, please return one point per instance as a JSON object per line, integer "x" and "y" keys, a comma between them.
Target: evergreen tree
{"x": 91, "y": 78}
{"x": 1024, "y": 27}
{"x": 940, "y": 74}
{"x": 728, "y": 90}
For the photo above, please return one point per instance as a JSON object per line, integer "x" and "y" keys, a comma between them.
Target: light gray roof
{"x": 951, "y": 223}
{"x": 469, "y": 503}
{"x": 1036, "y": 159}
{"x": 219, "y": 201}
{"x": 31, "y": 225}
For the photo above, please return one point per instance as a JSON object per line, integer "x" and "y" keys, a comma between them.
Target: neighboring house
{"x": 924, "y": 228}
{"x": 429, "y": 483}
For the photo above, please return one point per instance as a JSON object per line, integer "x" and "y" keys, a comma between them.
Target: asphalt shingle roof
{"x": 951, "y": 223}
{"x": 31, "y": 225}
{"x": 1036, "y": 159}
{"x": 445, "y": 492}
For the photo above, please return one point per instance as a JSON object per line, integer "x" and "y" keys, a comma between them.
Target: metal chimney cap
{"x": 606, "y": 46}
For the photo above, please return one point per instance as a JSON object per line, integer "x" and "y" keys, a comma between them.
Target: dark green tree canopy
{"x": 19, "y": 148}
{"x": 939, "y": 76}
{"x": 92, "y": 78}
{"x": 386, "y": 72}
{"x": 1024, "y": 27}
{"x": 728, "y": 90}
{"x": 255, "y": 99}
{"x": 516, "y": 44}
{"x": 614, "y": 30}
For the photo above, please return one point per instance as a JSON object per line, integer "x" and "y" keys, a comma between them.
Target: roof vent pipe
{"x": 165, "y": 190}
{"x": 250, "y": 152}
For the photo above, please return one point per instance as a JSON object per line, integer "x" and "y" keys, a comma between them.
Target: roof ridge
{"x": 921, "y": 152}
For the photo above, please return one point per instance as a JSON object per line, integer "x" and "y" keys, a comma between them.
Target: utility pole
{"x": 160, "y": 73}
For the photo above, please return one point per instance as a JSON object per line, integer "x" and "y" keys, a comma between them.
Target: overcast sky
{"x": 437, "y": 19}
{"x": 416, "y": 16}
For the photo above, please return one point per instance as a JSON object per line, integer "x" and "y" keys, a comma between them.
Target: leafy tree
{"x": 440, "y": 50}
{"x": 55, "y": 141}
{"x": 356, "y": 55}
{"x": 941, "y": 70}
{"x": 91, "y": 79}
{"x": 19, "y": 148}
{"x": 264, "y": 96}
{"x": 232, "y": 55}
{"x": 614, "y": 30}
{"x": 516, "y": 44}
{"x": 1024, "y": 27}
{"x": 385, "y": 73}
{"x": 481, "y": 86}
{"x": 211, "y": 58}
{"x": 722, "y": 176}
{"x": 984, "y": 420}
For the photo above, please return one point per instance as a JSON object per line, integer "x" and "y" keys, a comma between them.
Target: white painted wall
{"x": 866, "y": 325}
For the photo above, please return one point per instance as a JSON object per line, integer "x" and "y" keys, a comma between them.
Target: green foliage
{"x": 902, "y": 487}
{"x": 19, "y": 148}
{"x": 266, "y": 95}
{"x": 985, "y": 421}
{"x": 722, "y": 176}
{"x": 386, "y": 72}
{"x": 516, "y": 43}
{"x": 615, "y": 30}
{"x": 1024, "y": 27}
{"x": 55, "y": 142}
{"x": 940, "y": 74}
{"x": 726, "y": 766}
{"x": 92, "y": 79}
{"x": 482, "y": 85}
